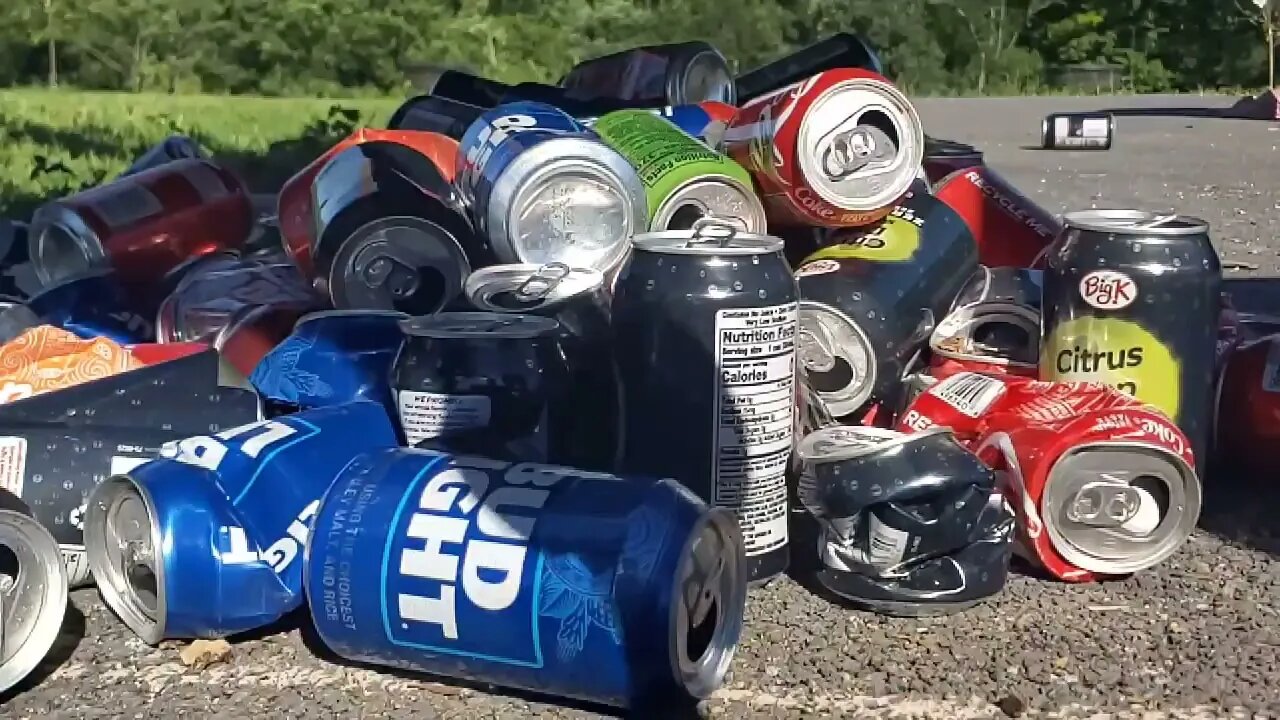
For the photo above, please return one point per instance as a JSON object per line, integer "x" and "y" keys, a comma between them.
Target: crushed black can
{"x": 1132, "y": 300}
{"x": 390, "y": 235}
{"x": 871, "y": 297}
{"x": 578, "y": 299}
{"x": 912, "y": 524}
{"x": 485, "y": 383}
{"x": 704, "y": 339}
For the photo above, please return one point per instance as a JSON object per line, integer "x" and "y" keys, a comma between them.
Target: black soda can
{"x": 671, "y": 74}
{"x": 484, "y": 93}
{"x": 840, "y": 50}
{"x": 390, "y": 234}
{"x": 704, "y": 338}
{"x": 1131, "y": 300}
{"x": 1078, "y": 131}
{"x": 578, "y": 299}
{"x": 871, "y": 297}
{"x": 484, "y": 383}
{"x": 431, "y": 113}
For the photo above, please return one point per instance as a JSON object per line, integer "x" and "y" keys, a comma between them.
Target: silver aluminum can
{"x": 33, "y": 591}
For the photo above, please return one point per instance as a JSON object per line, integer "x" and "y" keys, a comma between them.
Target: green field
{"x": 53, "y": 143}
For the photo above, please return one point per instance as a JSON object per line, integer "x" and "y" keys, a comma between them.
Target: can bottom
{"x": 33, "y": 594}
{"x": 122, "y": 543}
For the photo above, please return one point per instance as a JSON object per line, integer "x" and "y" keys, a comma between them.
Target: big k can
{"x": 33, "y": 592}
{"x": 1132, "y": 299}
{"x": 704, "y": 337}
{"x": 207, "y": 540}
{"x": 543, "y": 189}
{"x": 618, "y": 590}
{"x": 871, "y": 298}
{"x": 839, "y": 149}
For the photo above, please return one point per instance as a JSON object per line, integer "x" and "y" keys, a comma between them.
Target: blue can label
{"x": 459, "y": 547}
{"x": 493, "y": 130}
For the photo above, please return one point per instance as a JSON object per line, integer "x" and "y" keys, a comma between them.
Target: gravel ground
{"x": 1197, "y": 637}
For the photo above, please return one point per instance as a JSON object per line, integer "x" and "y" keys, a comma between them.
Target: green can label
{"x": 665, "y": 156}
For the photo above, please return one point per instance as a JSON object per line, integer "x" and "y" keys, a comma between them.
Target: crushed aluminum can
{"x": 207, "y": 541}
{"x": 33, "y": 592}
{"x": 93, "y": 304}
{"x": 213, "y": 290}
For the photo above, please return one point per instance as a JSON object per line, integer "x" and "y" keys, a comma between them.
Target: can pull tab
{"x": 856, "y": 149}
{"x": 542, "y": 281}
{"x": 816, "y": 349}
{"x": 1105, "y": 503}
{"x": 710, "y": 229}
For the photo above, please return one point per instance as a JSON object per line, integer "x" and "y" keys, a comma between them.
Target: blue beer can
{"x": 205, "y": 540}
{"x": 94, "y": 304}
{"x": 544, "y": 189}
{"x": 333, "y": 357}
{"x": 621, "y": 591}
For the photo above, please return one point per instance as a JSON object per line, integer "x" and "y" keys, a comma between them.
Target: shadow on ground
{"x": 264, "y": 172}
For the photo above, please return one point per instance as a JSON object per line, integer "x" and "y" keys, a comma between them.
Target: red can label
{"x": 765, "y": 139}
{"x": 1011, "y": 231}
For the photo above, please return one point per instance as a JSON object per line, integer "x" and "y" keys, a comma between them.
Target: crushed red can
{"x": 1011, "y": 230}
{"x": 142, "y": 225}
{"x": 295, "y": 208}
{"x": 1247, "y": 407}
{"x": 838, "y": 149}
{"x": 1102, "y": 484}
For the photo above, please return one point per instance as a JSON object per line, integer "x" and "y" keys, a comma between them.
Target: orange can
{"x": 295, "y": 206}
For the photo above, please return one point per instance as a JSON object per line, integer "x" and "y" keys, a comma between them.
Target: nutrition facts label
{"x": 430, "y": 415}
{"x": 756, "y": 356}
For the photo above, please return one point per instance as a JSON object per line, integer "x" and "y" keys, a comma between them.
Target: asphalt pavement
{"x": 1198, "y": 637}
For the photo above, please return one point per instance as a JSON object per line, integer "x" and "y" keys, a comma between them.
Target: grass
{"x": 53, "y": 143}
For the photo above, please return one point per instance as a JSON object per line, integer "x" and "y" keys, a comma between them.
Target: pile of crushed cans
{"x": 530, "y": 387}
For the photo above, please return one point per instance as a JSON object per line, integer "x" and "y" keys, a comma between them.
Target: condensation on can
{"x": 142, "y": 225}
{"x": 1077, "y": 131}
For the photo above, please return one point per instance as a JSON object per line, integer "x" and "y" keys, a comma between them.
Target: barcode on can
{"x": 886, "y": 545}
{"x": 128, "y": 205}
{"x": 969, "y": 393}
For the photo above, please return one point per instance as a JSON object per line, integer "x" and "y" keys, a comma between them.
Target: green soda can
{"x": 684, "y": 179}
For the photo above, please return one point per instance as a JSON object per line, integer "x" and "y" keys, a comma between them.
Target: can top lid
{"x": 510, "y": 288}
{"x": 479, "y": 325}
{"x": 704, "y": 75}
{"x": 708, "y": 236}
{"x": 1134, "y": 222}
{"x": 846, "y": 442}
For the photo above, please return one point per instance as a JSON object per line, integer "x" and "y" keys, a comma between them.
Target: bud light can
{"x": 621, "y": 591}
{"x": 205, "y": 541}
{"x": 544, "y": 189}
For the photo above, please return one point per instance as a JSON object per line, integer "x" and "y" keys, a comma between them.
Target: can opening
{"x": 9, "y": 568}
{"x": 510, "y": 300}
{"x": 701, "y": 633}
{"x": 882, "y": 122}
{"x": 686, "y": 216}
{"x": 60, "y": 254}
{"x": 1006, "y": 338}
{"x": 144, "y": 585}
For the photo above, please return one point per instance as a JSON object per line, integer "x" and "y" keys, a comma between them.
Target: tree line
{"x": 335, "y": 47}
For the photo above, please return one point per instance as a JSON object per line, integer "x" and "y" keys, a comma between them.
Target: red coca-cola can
{"x": 254, "y": 332}
{"x": 1102, "y": 484}
{"x": 1247, "y": 409}
{"x": 838, "y": 149}
{"x": 1000, "y": 338}
{"x": 295, "y": 205}
{"x": 960, "y": 401}
{"x": 142, "y": 225}
{"x": 1010, "y": 229}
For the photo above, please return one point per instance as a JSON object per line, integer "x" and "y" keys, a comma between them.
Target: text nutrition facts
{"x": 755, "y": 353}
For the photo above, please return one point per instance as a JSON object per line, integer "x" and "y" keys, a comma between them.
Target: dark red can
{"x": 254, "y": 332}
{"x": 839, "y": 149}
{"x": 295, "y": 205}
{"x": 1011, "y": 231}
{"x": 1247, "y": 413}
{"x": 142, "y": 225}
